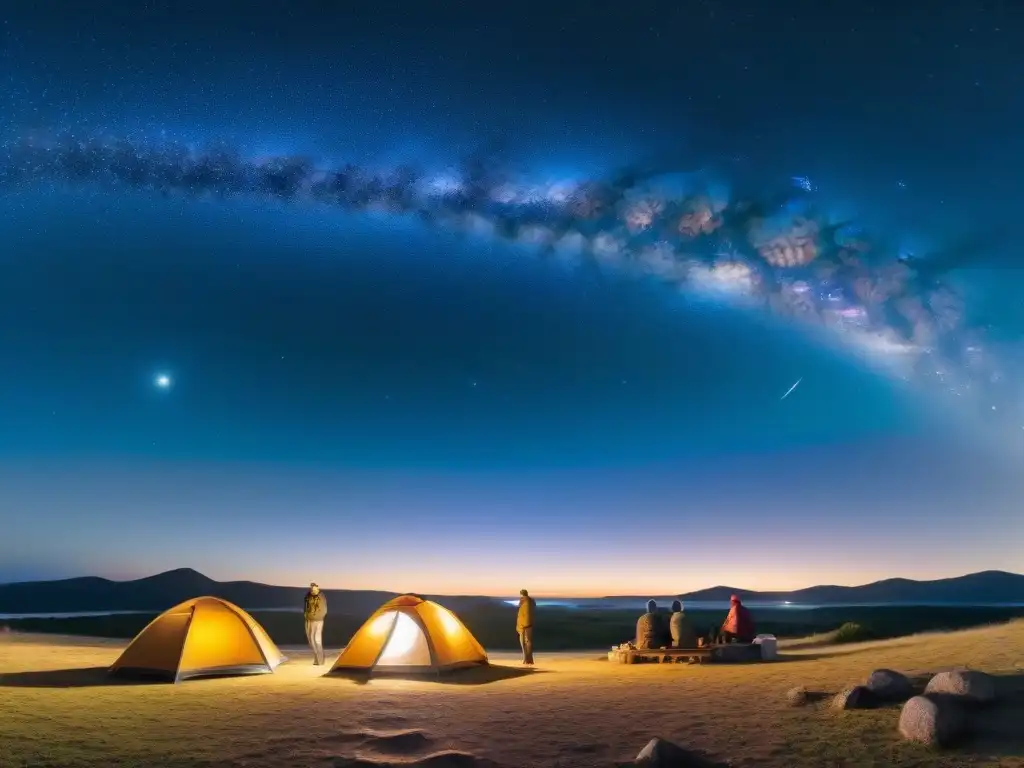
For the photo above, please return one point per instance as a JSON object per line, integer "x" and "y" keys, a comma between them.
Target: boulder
{"x": 888, "y": 685}
{"x": 797, "y": 697}
{"x": 856, "y": 697}
{"x": 664, "y": 754}
{"x": 971, "y": 687}
{"x": 932, "y": 720}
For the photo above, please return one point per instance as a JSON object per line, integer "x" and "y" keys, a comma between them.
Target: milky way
{"x": 780, "y": 253}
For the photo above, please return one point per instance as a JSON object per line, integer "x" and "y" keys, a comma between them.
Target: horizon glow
{"x": 435, "y": 557}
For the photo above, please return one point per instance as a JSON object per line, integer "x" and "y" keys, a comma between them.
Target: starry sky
{"x": 380, "y": 396}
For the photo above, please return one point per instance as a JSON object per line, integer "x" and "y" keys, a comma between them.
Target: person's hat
{"x": 313, "y": 584}
{"x": 523, "y": 592}
{"x": 734, "y": 599}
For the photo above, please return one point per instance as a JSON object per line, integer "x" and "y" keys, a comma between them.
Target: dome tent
{"x": 204, "y": 636}
{"x": 410, "y": 635}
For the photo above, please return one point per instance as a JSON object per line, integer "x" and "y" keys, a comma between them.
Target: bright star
{"x": 163, "y": 381}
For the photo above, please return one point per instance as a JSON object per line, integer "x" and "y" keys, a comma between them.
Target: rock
{"x": 972, "y": 687}
{"x": 796, "y": 697}
{"x": 857, "y": 697}
{"x": 888, "y": 685}
{"x": 664, "y": 754}
{"x": 935, "y": 721}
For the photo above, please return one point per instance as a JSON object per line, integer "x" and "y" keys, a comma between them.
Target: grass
{"x": 574, "y": 712}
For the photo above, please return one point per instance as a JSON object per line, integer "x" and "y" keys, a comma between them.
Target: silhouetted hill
{"x": 159, "y": 592}
{"x": 974, "y": 588}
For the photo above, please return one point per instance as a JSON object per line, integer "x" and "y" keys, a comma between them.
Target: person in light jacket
{"x": 681, "y": 628}
{"x": 314, "y": 611}
{"x": 524, "y": 625}
{"x": 652, "y": 629}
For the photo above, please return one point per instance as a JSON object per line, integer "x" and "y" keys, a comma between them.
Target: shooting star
{"x": 790, "y": 390}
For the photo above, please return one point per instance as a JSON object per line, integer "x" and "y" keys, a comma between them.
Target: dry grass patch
{"x": 575, "y": 712}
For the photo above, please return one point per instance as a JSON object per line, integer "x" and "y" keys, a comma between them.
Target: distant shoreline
{"x": 571, "y": 629}
{"x": 577, "y": 606}
{"x": 991, "y": 590}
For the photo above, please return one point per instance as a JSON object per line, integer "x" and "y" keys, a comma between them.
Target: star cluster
{"x": 779, "y": 252}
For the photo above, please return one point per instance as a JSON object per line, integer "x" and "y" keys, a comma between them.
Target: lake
{"x": 588, "y": 604}
{"x": 723, "y": 605}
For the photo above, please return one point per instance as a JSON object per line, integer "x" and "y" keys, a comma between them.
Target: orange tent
{"x": 411, "y": 635}
{"x": 200, "y": 637}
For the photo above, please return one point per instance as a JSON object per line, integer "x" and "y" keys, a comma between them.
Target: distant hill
{"x": 974, "y": 588}
{"x": 159, "y": 592}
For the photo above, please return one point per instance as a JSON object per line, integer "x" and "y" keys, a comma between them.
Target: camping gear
{"x": 204, "y": 636}
{"x": 410, "y": 635}
{"x": 769, "y": 646}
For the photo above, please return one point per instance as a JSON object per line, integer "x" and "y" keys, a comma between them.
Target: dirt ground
{"x": 58, "y": 708}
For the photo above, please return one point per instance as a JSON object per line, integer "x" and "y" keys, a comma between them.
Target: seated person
{"x": 681, "y": 629}
{"x": 739, "y": 624}
{"x": 652, "y": 629}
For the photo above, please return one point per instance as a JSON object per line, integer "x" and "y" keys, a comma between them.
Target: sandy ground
{"x": 574, "y": 711}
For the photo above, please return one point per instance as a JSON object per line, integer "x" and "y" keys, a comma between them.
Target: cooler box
{"x": 769, "y": 646}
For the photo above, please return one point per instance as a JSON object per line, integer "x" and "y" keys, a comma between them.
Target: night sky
{"x": 266, "y": 376}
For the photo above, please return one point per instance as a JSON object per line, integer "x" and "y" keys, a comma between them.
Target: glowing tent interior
{"x": 201, "y": 637}
{"x": 411, "y": 635}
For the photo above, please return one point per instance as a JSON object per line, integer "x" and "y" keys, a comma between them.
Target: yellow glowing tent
{"x": 200, "y": 637}
{"x": 410, "y": 635}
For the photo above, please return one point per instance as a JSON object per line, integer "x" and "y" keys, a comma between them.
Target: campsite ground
{"x": 574, "y": 711}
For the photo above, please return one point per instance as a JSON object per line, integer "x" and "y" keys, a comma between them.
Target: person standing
{"x": 524, "y": 625}
{"x": 314, "y": 610}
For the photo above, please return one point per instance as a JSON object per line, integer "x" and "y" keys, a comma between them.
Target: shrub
{"x": 851, "y": 632}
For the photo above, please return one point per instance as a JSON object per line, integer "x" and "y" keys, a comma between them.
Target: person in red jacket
{"x": 739, "y": 624}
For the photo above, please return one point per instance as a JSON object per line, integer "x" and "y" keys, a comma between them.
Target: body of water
{"x": 588, "y": 604}
{"x": 723, "y": 605}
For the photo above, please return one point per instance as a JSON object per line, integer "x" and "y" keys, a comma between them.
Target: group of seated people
{"x": 657, "y": 629}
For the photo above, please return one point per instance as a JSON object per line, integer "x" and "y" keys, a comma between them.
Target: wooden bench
{"x": 663, "y": 655}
